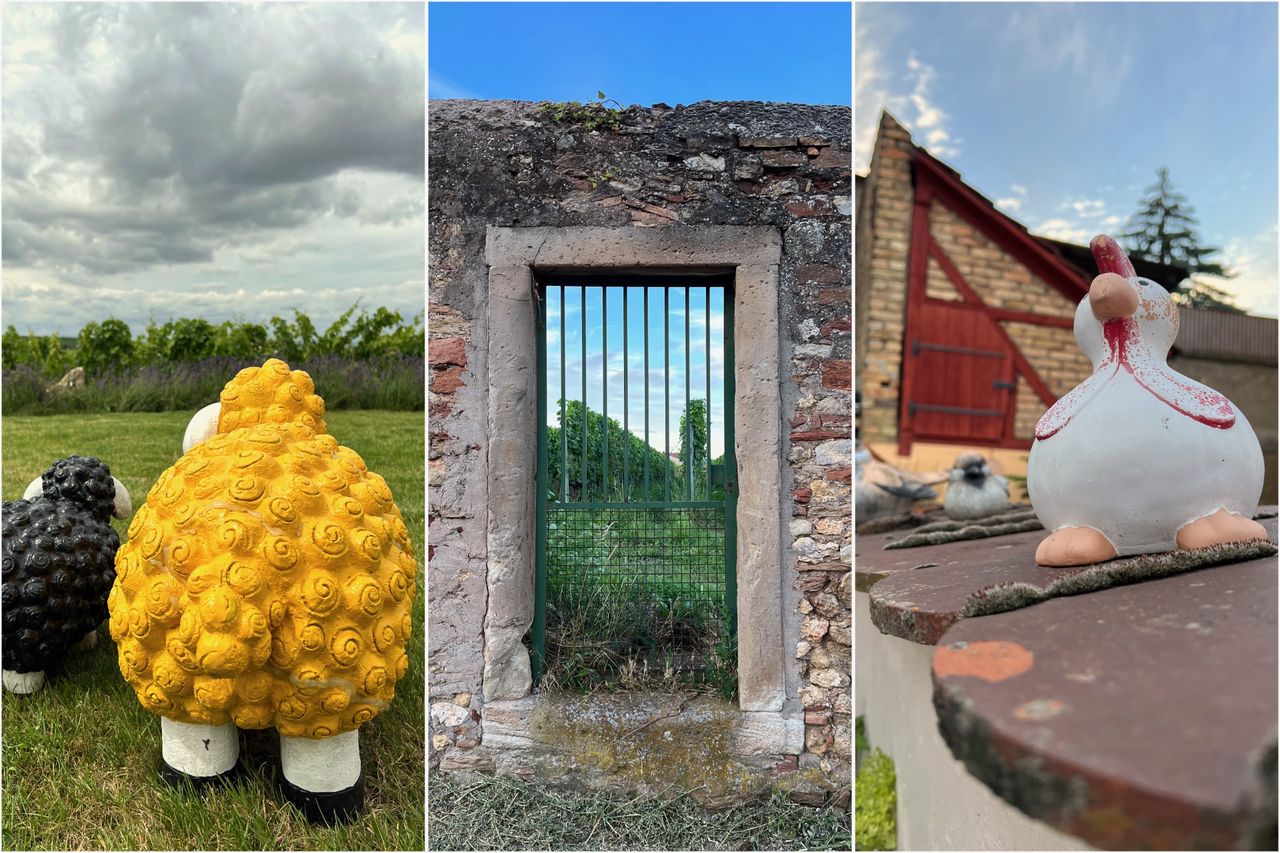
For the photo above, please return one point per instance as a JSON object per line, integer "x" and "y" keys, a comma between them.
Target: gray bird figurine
{"x": 973, "y": 491}
{"x": 884, "y": 490}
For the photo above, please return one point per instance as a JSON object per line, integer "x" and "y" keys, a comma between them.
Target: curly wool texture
{"x": 268, "y": 579}
{"x": 58, "y": 563}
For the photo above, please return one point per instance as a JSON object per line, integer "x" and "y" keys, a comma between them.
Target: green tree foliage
{"x": 693, "y": 429}
{"x": 109, "y": 345}
{"x": 1163, "y": 229}
{"x": 241, "y": 340}
{"x": 43, "y": 352}
{"x": 1202, "y": 294}
{"x": 104, "y": 346}
{"x": 622, "y": 446}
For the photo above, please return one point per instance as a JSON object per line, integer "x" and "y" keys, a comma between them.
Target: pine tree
{"x": 1164, "y": 230}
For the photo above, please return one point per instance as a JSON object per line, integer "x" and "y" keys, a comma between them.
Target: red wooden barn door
{"x": 962, "y": 384}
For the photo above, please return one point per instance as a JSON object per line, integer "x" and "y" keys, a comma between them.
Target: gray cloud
{"x": 158, "y": 149}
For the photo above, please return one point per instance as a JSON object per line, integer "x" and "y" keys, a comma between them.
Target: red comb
{"x": 1110, "y": 257}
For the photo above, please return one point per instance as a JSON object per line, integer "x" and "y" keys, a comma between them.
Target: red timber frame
{"x": 935, "y": 182}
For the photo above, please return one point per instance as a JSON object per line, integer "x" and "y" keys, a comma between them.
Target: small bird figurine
{"x": 973, "y": 491}
{"x": 1137, "y": 458}
{"x": 883, "y": 489}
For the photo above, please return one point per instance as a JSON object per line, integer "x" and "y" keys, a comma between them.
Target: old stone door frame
{"x": 753, "y": 255}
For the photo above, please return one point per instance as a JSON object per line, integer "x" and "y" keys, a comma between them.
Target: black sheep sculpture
{"x": 58, "y": 565}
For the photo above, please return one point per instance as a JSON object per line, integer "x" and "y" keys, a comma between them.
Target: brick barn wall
{"x": 1003, "y": 282}
{"x": 882, "y": 286}
{"x": 999, "y": 279}
{"x": 504, "y": 163}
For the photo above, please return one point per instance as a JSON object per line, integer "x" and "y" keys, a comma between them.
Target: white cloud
{"x": 928, "y": 115}
{"x": 1018, "y": 189}
{"x": 1087, "y": 208}
{"x": 906, "y": 91}
{"x": 1080, "y": 221}
{"x": 1253, "y": 260}
{"x": 1011, "y": 204}
{"x": 1061, "y": 229}
{"x": 870, "y": 97}
{"x": 210, "y": 160}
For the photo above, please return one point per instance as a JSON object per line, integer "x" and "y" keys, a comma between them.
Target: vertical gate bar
{"x": 666, "y": 390}
{"x": 564, "y": 432}
{"x": 646, "y": 392}
{"x": 731, "y": 470}
{"x": 626, "y": 407}
{"x": 583, "y": 491}
{"x": 604, "y": 385}
{"x": 540, "y": 554}
{"x": 688, "y": 408}
{"x": 707, "y": 316}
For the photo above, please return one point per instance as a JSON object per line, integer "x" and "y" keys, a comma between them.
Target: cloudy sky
{"x": 667, "y": 353}
{"x": 1061, "y": 113}
{"x": 210, "y": 160}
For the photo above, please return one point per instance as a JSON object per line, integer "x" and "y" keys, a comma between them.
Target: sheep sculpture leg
{"x": 198, "y": 753}
{"x": 322, "y": 775}
{"x": 23, "y": 683}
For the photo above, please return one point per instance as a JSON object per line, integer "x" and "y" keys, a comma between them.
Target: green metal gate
{"x": 635, "y": 534}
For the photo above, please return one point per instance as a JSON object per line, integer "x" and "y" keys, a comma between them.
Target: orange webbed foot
{"x": 1219, "y": 528}
{"x": 1074, "y": 546}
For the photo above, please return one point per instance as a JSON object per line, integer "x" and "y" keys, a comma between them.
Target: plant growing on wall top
{"x": 593, "y": 115}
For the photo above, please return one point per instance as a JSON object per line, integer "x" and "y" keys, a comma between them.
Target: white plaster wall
{"x": 940, "y": 806}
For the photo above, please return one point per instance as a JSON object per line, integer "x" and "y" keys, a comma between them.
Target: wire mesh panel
{"x": 639, "y": 589}
{"x": 635, "y": 572}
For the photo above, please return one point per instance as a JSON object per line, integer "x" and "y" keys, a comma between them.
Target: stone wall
{"x": 502, "y": 163}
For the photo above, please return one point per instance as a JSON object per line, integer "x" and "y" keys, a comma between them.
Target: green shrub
{"x": 108, "y": 348}
{"x": 105, "y": 346}
{"x": 876, "y": 810}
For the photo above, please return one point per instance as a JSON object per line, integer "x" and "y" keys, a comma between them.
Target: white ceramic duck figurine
{"x": 1138, "y": 458}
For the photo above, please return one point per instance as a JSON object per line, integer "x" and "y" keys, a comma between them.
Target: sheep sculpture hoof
{"x": 267, "y": 582}
{"x": 59, "y": 552}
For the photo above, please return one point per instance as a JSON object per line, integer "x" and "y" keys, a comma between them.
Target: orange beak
{"x": 1112, "y": 296}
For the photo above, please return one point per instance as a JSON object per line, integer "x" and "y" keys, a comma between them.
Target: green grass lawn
{"x": 80, "y": 757}
{"x": 501, "y": 813}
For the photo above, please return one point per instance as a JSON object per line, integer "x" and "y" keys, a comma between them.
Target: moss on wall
{"x": 685, "y": 744}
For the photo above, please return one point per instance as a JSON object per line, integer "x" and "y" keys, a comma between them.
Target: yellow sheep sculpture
{"x": 267, "y": 582}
